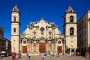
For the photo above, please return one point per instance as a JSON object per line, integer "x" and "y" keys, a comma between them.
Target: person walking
{"x": 17, "y": 57}
{"x": 13, "y": 55}
{"x": 49, "y": 53}
{"x": 20, "y": 55}
{"x": 29, "y": 56}
{"x": 43, "y": 56}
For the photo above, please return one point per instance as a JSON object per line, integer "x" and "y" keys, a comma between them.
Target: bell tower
{"x": 70, "y": 29}
{"x": 15, "y": 29}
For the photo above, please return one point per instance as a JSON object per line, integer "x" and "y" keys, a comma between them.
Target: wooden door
{"x": 59, "y": 49}
{"x": 24, "y": 49}
{"x": 42, "y": 47}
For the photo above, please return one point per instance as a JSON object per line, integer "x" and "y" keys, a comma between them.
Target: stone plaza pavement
{"x": 65, "y": 57}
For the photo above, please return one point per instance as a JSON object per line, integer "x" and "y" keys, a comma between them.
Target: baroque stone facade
{"x": 41, "y": 36}
{"x": 38, "y": 37}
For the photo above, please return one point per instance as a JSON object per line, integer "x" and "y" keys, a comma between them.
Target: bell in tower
{"x": 70, "y": 29}
{"x": 15, "y": 29}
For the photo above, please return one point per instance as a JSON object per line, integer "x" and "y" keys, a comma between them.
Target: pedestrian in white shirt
{"x": 29, "y": 56}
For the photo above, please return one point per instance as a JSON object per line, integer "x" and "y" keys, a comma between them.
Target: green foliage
{"x": 67, "y": 50}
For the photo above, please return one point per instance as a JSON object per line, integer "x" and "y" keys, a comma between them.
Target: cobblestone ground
{"x": 48, "y": 58}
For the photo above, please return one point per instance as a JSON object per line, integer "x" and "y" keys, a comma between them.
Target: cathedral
{"x": 43, "y": 36}
{"x": 38, "y": 37}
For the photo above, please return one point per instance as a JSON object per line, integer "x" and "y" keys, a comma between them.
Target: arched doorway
{"x": 59, "y": 49}
{"x": 24, "y": 49}
{"x": 42, "y": 47}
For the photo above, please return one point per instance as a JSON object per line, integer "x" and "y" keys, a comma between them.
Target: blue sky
{"x": 34, "y": 10}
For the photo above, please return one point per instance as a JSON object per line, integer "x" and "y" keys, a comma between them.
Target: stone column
{"x": 46, "y": 47}
{"x": 20, "y": 47}
{"x": 63, "y": 44}
{"x": 32, "y": 47}
{"x": 88, "y": 32}
{"x": 52, "y": 47}
{"x": 27, "y": 47}
{"x": 56, "y": 47}
{"x": 38, "y": 48}
{"x": 64, "y": 48}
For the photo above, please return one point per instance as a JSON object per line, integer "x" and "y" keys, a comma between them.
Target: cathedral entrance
{"x": 24, "y": 49}
{"x": 59, "y": 49}
{"x": 42, "y": 47}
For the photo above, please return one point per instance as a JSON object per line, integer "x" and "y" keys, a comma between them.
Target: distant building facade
{"x": 5, "y": 44}
{"x": 1, "y": 31}
{"x": 84, "y": 31}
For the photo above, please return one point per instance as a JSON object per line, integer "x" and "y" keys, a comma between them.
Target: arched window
{"x": 14, "y": 18}
{"x": 71, "y": 31}
{"x": 71, "y": 19}
{"x": 14, "y": 29}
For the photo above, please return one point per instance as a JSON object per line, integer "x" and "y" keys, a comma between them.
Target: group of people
{"x": 15, "y": 56}
{"x": 51, "y": 54}
{"x": 43, "y": 55}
